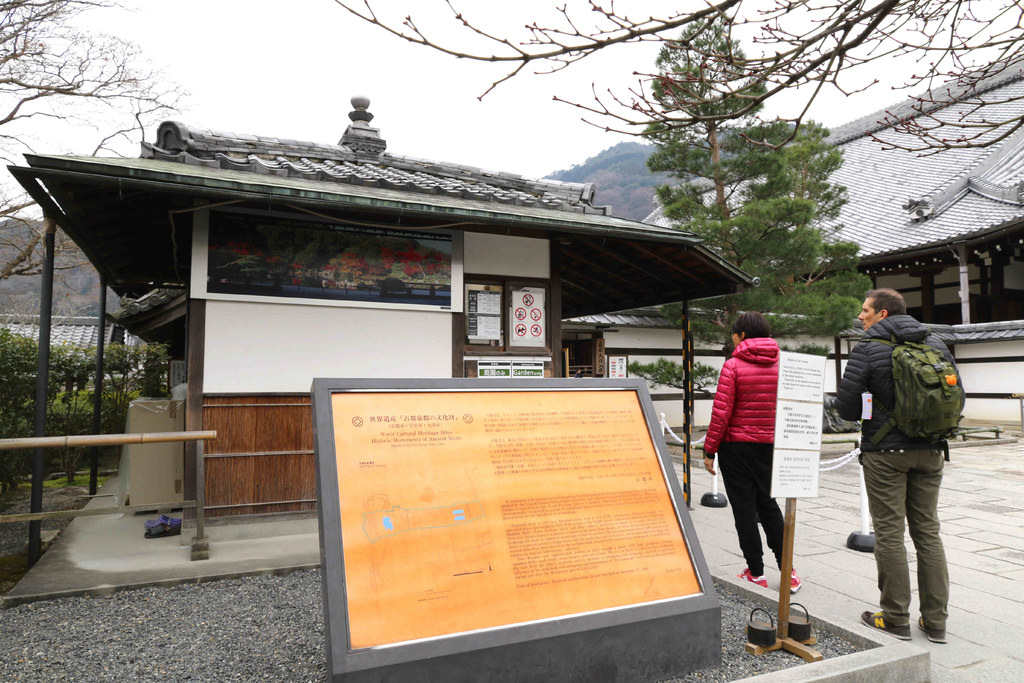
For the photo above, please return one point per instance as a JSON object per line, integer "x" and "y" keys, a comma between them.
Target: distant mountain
{"x": 75, "y": 282}
{"x": 622, "y": 179}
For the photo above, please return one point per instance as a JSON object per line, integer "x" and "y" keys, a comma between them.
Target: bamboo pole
{"x": 94, "y": 512}
{"x": 103, "y": 439}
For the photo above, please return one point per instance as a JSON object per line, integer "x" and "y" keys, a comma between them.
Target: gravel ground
{"x": 13, "y": 537}
{"x": 267, "y": 628}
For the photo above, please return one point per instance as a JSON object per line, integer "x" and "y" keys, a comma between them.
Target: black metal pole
{"x": 687, "y": 399}
{"x": 97, "y": 385}
{"x": 42, "y": 380}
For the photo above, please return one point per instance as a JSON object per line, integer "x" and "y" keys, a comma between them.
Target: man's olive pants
{"x": 905, "y": 485}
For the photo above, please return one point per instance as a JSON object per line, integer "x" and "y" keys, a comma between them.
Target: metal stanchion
{"x": 864, "y": 540}
{"x": 714, "y": 499}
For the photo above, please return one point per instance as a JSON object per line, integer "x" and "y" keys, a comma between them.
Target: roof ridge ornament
{"x": 359, "y": 136}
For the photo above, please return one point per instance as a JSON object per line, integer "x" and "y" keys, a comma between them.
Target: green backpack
{"x": 927, "y": 391}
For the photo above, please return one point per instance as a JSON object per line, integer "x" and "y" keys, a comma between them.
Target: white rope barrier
{"x": 863, "y": 541}
{"x": 823, "y": 466}
{"x": 828, "y": 465}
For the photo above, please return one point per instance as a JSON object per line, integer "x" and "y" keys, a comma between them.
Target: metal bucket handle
{"x": 771, "y": 619}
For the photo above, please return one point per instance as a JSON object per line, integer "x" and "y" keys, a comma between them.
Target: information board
{"x": 798, "y": 418}
{"x": 554, "y": 499}
{"x": 464, "y": 511}
{"x": 483, "y": 315}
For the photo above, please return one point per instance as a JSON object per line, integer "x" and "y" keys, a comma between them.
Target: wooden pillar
{"x": 837, "y": 344}
{"x": 965, "y": 283}
{"x": 999, "y": 307}
{"x": 195, "y": 359}
{"x": 927, "y": 298}
{"x": 555, "y": 311}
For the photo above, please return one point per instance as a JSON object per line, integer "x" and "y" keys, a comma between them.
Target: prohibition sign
{"x": 535, "y": 313}
{"x": 520, "y": 314}
{"x": 527, "y": 299}
{"x": 521, "y": 330}
{"x": 535, "y": 330}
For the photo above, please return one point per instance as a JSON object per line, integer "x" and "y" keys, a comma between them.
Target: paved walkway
{"x": 981, "y": 509}
{"x": 982, "y": 512}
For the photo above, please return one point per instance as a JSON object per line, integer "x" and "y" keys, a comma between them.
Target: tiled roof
{"x": 927, "y": 103}
{"x": 646, "y": 318}
{"x": 900, "y": 200}
{"x": 72, "y": 331}
{"x": 971, "y": 333}
{"x": 147, "y": 302}
{"x": 360, "y": 159}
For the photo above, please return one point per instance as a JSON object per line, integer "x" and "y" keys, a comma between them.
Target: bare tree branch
{"x": 53, "y": 72}
{"x": 809, "y": 45}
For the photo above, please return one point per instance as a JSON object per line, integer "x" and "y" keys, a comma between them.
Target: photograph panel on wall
{"x": 259, "y": 257}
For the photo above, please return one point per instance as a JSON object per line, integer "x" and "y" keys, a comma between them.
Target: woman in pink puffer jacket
{"x": 742, "y": 434}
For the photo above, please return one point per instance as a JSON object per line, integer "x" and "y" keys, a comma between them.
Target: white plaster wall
{"x": 640, "y": 338}
{"x": 1013, "y": 275}
{"x": 990, "y": 350}
{"x": 992, "y": 378}
{"x": 993, "y": 410}
{"x": 502, "y": 255}
{"x": 257, "y": 347}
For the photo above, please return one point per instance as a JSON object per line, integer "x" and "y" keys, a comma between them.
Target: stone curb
{"x": 882, "y": 659}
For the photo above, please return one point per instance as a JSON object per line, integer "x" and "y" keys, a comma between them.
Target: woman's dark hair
{"x": 752, "y": 324}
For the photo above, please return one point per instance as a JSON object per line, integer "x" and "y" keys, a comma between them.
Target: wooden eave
{"x": 132, "y": 218}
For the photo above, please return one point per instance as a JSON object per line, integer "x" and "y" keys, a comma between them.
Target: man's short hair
{"x": 752, "y": 324}
{"x": 888, "y": 300}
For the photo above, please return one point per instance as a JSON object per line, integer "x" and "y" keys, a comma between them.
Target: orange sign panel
{"x": 471, "y": 510}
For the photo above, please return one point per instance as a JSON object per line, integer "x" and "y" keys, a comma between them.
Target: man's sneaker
{"x": 876, "y": 620}
{"x": 936, "y": 635}
{"x": 759, "y": 580}
{"x": 795, "y": 583}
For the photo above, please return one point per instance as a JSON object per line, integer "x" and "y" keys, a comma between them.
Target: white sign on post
{"x": 617, "y": 367}
{"x": 798, "y": 416}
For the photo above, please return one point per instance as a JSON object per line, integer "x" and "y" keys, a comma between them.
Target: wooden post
{"x": 783, "y": 641}
{"x": 687, "y": 401}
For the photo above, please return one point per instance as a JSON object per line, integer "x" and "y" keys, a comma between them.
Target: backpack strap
{"x": 891, "y": 422}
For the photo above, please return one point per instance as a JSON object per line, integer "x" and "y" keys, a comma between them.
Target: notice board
{"x": 464, "y": 517}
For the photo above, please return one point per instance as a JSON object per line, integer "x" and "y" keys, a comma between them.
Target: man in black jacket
{"x": 902, "y": 475}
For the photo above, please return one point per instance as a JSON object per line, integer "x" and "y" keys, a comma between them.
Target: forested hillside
{"x": 622, "y": 179}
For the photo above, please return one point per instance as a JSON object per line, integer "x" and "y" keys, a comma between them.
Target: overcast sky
{"x": 289, "y": 69}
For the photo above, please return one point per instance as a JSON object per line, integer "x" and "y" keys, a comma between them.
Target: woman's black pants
{"x": 746, "y": 470}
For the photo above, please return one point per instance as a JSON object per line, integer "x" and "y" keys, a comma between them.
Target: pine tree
{"x": 762, "y": 206}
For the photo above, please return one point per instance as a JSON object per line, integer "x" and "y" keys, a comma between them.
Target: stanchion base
{"x": 865, "y": 543}
{"x": 713, "y": 500}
